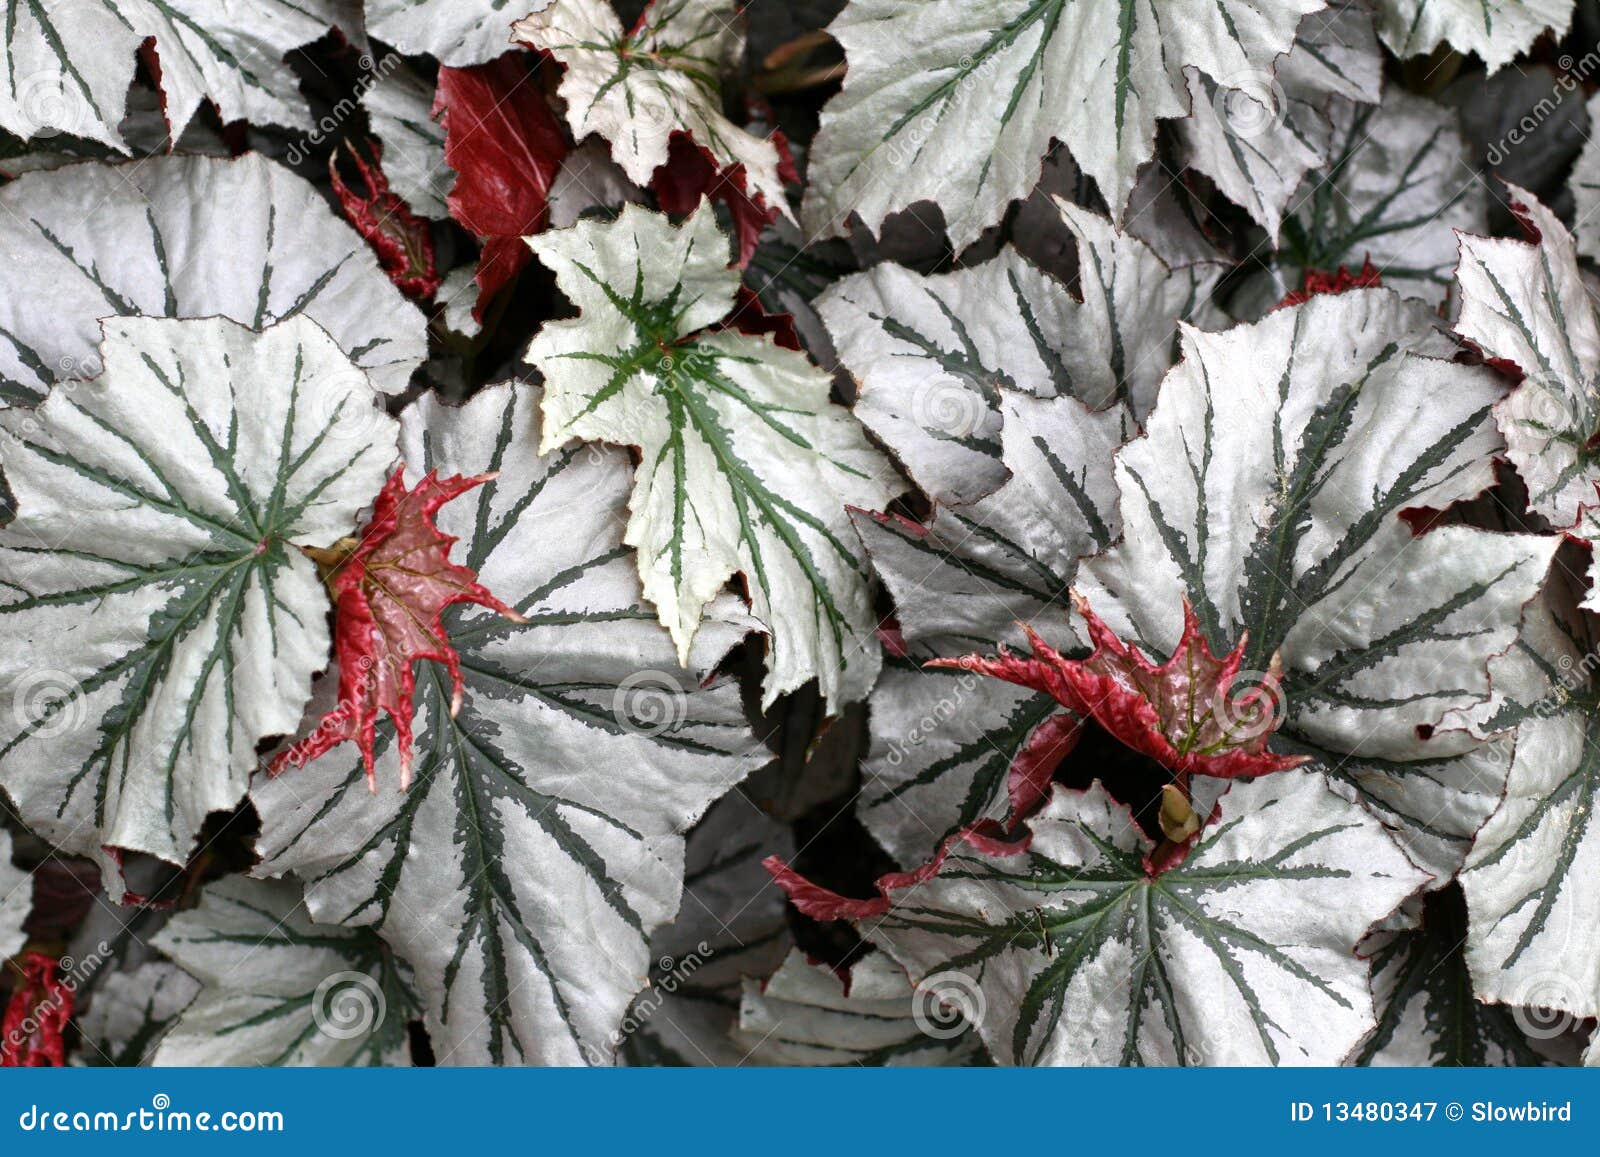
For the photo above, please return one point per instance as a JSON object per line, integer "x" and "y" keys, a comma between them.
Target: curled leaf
{"x": 400, "y": 238}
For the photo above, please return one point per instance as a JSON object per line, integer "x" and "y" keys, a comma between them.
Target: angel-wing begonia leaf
{"x": 1399, "y": 179}
{"x": 1496, "y": 32}
{"x": 1532, "y": 880}
{"x": 160, "y": 617}
{"x": 1267, "y": 492}
{"x": 944, "y": 743}
{"x": 16, "y": 898}
{"x": 1258, "y": 141}
{"x": 68, "y": 63}
{"x": 130, "y": 1012}
{"x": 400, "y": 110}
{"x": 805, "y": 1013}
{"x": 1525, "y": 304}
{"x": 1072, "y": 953}
{"x": 278, "y": 989}
{"x": 931, "y": 353}
{"x": 1427, "y": 1013}
{"x": 730, "y": 925}
{"x": 746, "y": 465}
{"x": 506, "y": 147}
{"x": 541, "y": 842}
{"x": 459, "y": 33}
{"x": 185, "y": 237}
{"x": 957, "y": 102}
{"x": 636, "y": 88}
{"x": 389, "y": 590}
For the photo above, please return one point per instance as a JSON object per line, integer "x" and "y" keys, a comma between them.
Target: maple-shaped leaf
{"x": 747, "y": 466}
{"x": 506, "y": 148}
{"x": 958, "y": 102}
{"x": 402, "y": 241}
{"x": 641, "y": 87}
{"x": 389, "y": 593}
{"x": 1494, "y": 32}
{"x": 1193, "y": 714}
{"x": 691, "y": 172}
{"x": 36, "y": 1016}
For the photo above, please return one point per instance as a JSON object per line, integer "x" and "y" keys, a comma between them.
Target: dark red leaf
{"x": 389, "y": 592}
{"x": 36, "y": 1017}
{"x": 691, "y": 173}
{"x": 401, "y": 239}
{"x": 506, "y": 147}
{"x": 1317, "y": 281}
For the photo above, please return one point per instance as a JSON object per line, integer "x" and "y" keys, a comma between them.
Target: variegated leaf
{"x": 730, "y": 925}
{"x": 541, "y": 841}
{"x": 400, "y": 110}
{"x": 1585, "y": 186}
{"x": 1072, "y": 953}
{"x": 458, "y": 32}
{"x": 956, "y": 101}
{"x": 1428, "y": 1014}
{"x": 746, "y": 466}
{"x": 931, "y": 353}
{"x": 637, "y": 87}
{"x": 1399, "y": 180}
{"x": 805, "y": 1013}
{"x": 1267, "y": 491}
{"x": 1532, "y": 880}
{"x": 68, "y": 63}
{"x": 278, "y": 989}
{"x": 1496, "y": 32}
{"x": 943, "y": 742}
{"x": 16, "y": 900}
{"x": 185, "y": 237}
{"x": 1259, "y": 140}
{"x": 131, "y": 1011}
{"x": 160, "y": 618}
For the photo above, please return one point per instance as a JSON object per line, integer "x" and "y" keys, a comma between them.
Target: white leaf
{"x": 1267, "y": 492}
{"x": 806, "y": 1014}
{"x": 746, "y": 466}
{"x": 278, "y": 989}
{"x": 458, "y": 32}
{"x": 131, "y": 1011}
{"x": 68, "y": 63}
{"x": 16, "y": 900}
{"x": 1585, "y": 185}
{"x": 636, "y": 88}
{"x": 956, "y": 101}
{"x": 1070, "y": 953}
{"x": 400, "y": 109}
{"x": 185, "y": 237}
{"x": 160, "y": 620}
{"x": 1496, "y": 32}
{"x": 541, "y": 842}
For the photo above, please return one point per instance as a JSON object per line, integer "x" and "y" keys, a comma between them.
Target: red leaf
{"x": 691, "y": 173}
{"x": 36, "y": 1017}
{"x": 749, "y": 316}
{"x": 1195, "y": 714}
{"x": 401, "y": 239}
{"x": 506, "y": 148}
{"x": 388, "y": 595}
{"x": 1316, "y": 281}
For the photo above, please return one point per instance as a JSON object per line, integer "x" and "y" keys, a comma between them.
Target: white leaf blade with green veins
{"x": 278, "y": 989}
{"x": 400, "y": 109}
{"x": 1242, "y": 954}
{"x": 185, "y": 237}
{"x": 459, "y": 33}
{"x": 16, "y": 900}
{"x": 956, "y": 101}
{"x": 162, "y": 620}
{"x": 1496, "y": 32}
{"x": 131, "y": 1011}
{"x": 542, "y": 839}
{"x": 746, "y": 466}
